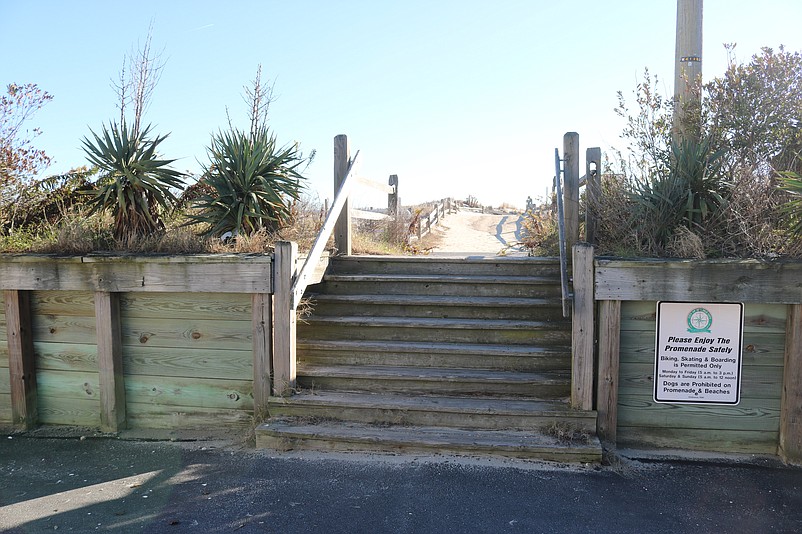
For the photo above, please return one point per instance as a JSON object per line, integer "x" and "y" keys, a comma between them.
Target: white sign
{"x": 698, "y": 352}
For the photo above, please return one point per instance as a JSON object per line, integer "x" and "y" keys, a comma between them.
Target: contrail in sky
{"x": 201, "y": 28}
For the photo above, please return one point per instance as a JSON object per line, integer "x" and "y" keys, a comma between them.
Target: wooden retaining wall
{"x": 116, "y": 342}
{"x": 768, "y": 418}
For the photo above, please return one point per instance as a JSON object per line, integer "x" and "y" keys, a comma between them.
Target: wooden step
{"x": 433, "y": 354}
{"x": 439, "y": 330}
{"x": 435, "y": 381}
{"x": 423, "y": 410}
{"x": 536, "y": 309}
{"x": 493, "y": 265}
{"x": 548, "y": 444}
{"x": 442, "y": 285}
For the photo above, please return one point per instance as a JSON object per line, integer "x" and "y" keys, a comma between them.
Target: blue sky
{"x": 456, "y": 97}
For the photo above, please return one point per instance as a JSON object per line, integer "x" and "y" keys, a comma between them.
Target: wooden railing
{"x": 425, "y": 222}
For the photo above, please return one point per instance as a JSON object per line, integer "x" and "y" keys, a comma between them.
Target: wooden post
{"x": 592, "y": 192}
{"x": 21, "y": 359}
{"x": 284, "y": 318}
{"x": 342, "y": 230}
{"x": 110, "y": 362}
{"x": 262, "y": 324}
{"x": 393, "y": 206}
{"x": 609, "y": 348}
{"x": 687, "y": 63}
{"x": 791, "y": 403}
{"x": 582, "y": 329}
{"x": 571, "y": 189}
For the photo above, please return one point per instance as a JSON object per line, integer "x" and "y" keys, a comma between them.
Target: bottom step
{"x": 557, "y": 446}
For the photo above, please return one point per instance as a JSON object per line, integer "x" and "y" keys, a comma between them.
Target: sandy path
{"x": 471, "y": 233}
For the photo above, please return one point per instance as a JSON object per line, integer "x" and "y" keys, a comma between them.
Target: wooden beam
{"x": 715, "y": 280}
{"x": 262, "y": 325}
{"x": 593, "y": 171}
{"x": 284, "y": 338}
{"x": 342, "y": 230}
{"x": 21, "y": 359}
{"x": 609, "y": 343}
{"x": 791, "y": 403}
{"x": 571, "y": 188}
{"x": 110, "y": 362}
{"x": 582, "y": 328}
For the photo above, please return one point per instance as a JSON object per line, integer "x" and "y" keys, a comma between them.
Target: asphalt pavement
{"x": 93, "y": 484}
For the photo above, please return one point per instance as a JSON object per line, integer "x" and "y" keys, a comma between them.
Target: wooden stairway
{"x": 464, "y": 356}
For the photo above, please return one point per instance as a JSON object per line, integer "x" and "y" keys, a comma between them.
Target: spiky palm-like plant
{"x": 791, "y": 183}
{"x": 254, "y": 182}
{"x": 135, "y": 184}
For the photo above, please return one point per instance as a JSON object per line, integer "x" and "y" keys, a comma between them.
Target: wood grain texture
{"x": 215, "y": 306}
{"x": 21, "y": 358}
{"x": 342, "y": 228}
{"x": 284, "y": 320}
{"x": 608, "y": 375}
{"x": 791, "y": 414}
{"x": 5, "y": 384}
{"x": 110, "y": 362}
{"x": 582, "y": 333}
{"x": 762, "y": 318}
{"x": 80, "y": 303}
{"x": 5, "y": 408}
{"x": 204, "y": 273}
{"x": 65, "y": 356}
{"x": 745, "y": 441}
{"x": 197, "y": 334}
{"x": 689, "y": 280}
{"x": 189, "y": 392}
{"x": 64, "y": 329}
{"x": 186, "y": 418}
{"x": 81, "y": 385}
{"x": 262, "y": 346}
{"x": 69, "y": 411}
{"x": 188, "y": 362}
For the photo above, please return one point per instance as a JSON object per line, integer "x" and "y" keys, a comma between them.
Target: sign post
{"x": 698, "y": 353}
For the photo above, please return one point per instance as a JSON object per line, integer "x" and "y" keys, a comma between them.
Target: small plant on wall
{"x": 136, "y": 184}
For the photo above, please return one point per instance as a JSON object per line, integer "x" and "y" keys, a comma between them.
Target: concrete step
{"x": 435, "y": 381}
{"x": 491, "y": 266}
{"x": 387, "y": 305}
{"x": 433, "y": 354}
{"x": 550, "y": 444}
{"x": 443, "y": 411}
{"x": 441, "y": 285}
{"x": 541, "y": 333}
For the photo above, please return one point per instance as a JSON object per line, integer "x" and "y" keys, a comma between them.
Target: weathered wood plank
{"x": 188, "y": 362}
{"x": 110, "y": 362}
{"x": 69, "y": 385}
{"x": 204, "y": 273}
{"x": 64, "y": 329}
{"x": 757, "y": 382}
{"x": 216, "y": 306}
{"x": 690, "y": 280}
{"x": 641, "y": 316}
{"x": 740, "y": 441}
{"x": 791, "y": 408}
{"x": 608, "y": 380}
{"x": 21, "y": 358}
{"x": 189, "y": 392}
{"x": 198, "y": 333}
{"x": 65, "y": 356}
{"x": 5, "y": 408}
{"x": 759, "y": 349}
{"x": 69, "y": 411}
{"x": 79, "y": 303}
{"x": 262, "y": 341}
{"x": 342, "y": 226}
{"x": 750, "y": 414}
{"x": 3, "y": 353}
{"x": 156, "y": 417}
{"x": 5, "y": 383}
{"x": 582, "y": 345}
{"x": 284, "y": 320}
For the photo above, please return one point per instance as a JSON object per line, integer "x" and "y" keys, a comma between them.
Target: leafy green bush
{"x": 135, "y": 184}
{"x": 253, "y": 183}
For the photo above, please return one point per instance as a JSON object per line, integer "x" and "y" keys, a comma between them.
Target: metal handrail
{"x": 566, "y": 296}
{"x": 302, "y": 278}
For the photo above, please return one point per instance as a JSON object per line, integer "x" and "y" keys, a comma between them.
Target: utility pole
{"x": 687, "y": 67}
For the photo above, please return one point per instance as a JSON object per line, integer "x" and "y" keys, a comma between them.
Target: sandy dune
{"x": 471, "y": 233}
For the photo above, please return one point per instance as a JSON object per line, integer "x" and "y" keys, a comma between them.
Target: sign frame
{"x": 697, "y": 359}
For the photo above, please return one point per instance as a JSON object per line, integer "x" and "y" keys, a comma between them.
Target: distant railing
{"x": 424, "y": 223}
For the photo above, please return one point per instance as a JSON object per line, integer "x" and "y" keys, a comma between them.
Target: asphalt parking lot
{"x": 85, "y": 485}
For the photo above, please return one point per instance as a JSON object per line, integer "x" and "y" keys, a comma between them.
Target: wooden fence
{"x": 768, "y": 418}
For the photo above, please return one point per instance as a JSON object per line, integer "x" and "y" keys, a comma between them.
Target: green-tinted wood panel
{"x": 65, "y": 356}
{"x": 187, "y": 333}
{"x": 70, "y": 303}
{"x": 80, "y": 385}
{"x": 189, "y": 392}
{"x": 156, "y": 416}
{"x": 5, "y": 408}
{"x": 758, "y": 349}
{"x": 764, "y": 318}
{"x": 216, "y": 306}
{"x": 3, "y": 354}
{"x": 64, "y": 329}
{"x": 5, "y": 381}
{"x": 182, "y": 362}
{"x": 69, "y": 411}
{"x": 752, "y": 441}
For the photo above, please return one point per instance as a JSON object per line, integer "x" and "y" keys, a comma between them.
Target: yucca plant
{"x": 253, "y": 182}
{"x": 698, "y": 166}
{"x": 134, "y": 184}
{"x": 791, "y": 183}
